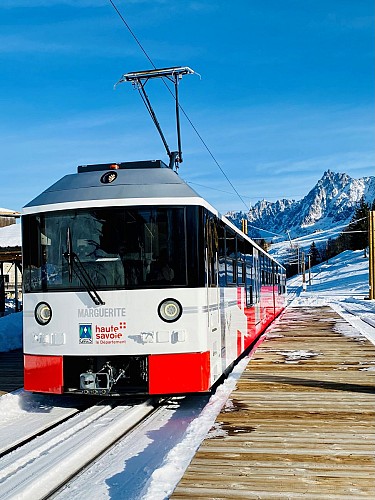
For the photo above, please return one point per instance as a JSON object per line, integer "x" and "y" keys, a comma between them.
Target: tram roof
{"x": 143, "y": 179}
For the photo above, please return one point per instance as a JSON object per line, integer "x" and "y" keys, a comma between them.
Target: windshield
{"x": 118, "y": 248}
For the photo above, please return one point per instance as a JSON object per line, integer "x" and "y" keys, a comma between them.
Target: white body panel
{"x": 128, "y": 324}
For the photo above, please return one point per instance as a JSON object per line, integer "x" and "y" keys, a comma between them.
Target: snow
{"x": 150, "y": 465}
{"x": 10, "y": 236}
{"x": 341, "y": 283}
{"x": 342, "y": 277}
{"x": 128, "y": 466}
{"x": 11, "y": 332}
{"x": 296, "y": 356}
{"x": 165, "y": 478}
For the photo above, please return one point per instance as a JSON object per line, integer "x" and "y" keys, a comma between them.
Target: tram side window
{"x": 249, "y": 286}
{"x": 282, "y": 282}
{"x": 279, "y": 283}
{"x": 231, "y": 254}
{"x": 267, "y": 272}
{"x": 221, "y": 252}
{"x": 270, "y": 266}
{"x": 241, "y": 268}
{"x": 194, "y": 257}
{"x": 275, "y": 272}
{"x": 249, "y": 273}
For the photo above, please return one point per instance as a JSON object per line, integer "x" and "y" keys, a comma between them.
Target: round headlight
{"x": 170, "y": 310}
{"x": 43, "y": 313}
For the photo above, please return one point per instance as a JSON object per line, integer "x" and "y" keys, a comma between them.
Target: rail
{"x": 46, "y": 462}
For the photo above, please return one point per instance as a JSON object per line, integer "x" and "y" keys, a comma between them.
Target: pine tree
{"x": 314, "y": 254}
{"x": 330, "y": 248}
{"x": 264, "y": 244}
{"x": 358, "y": 227}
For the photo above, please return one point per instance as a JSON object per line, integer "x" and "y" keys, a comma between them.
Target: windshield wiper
{"x": 75, "y": 266}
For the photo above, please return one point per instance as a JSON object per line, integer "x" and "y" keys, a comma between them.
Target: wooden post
{"x": 244, "y": 226}
{"x": 303, "y": 265}
{"x": 298, "y": 262}
{"x": 371, "y": 243}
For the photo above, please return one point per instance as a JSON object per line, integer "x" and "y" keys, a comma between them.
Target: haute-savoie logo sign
{"x": 108, "y": 334}
{"x": 85, "y": 333}
{"x": 110, "y": 327}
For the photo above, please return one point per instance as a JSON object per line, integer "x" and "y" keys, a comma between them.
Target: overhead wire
{"x": 216, "y": 189}
{"x": 181, "y": 108}
{"x": 334, "y": 231}
{"x": 331, "y": 230}
{"x": 132, "y": 33}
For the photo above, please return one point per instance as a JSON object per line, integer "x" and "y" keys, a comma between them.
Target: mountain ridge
{"x": 332, "y": 201}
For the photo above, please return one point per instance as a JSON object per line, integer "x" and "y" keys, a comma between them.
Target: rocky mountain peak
{"x": 331, "y": 201}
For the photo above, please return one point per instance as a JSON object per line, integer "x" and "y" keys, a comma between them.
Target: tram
{"x": 135, "y": 284}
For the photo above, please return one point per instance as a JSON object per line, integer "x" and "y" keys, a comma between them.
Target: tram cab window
{"x": 117, "y": 247}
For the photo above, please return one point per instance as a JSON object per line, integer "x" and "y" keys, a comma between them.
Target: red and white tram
{"x": 133, "y": 283}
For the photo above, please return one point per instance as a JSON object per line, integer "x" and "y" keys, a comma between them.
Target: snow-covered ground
{"x": 11, "y": 331}
{"x": 343, "y": 284}
{"x": 144, "y": 468}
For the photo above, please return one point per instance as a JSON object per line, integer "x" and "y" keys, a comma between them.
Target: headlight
{"x": 43, "y": 313}
{"x": 170, "y": 310}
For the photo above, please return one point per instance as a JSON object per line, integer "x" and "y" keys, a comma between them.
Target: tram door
{"x": 213, "y": 296}
{"x": 256, "y": 284}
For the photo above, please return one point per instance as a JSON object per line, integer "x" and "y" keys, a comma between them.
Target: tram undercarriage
{"x": 105, "y": 375}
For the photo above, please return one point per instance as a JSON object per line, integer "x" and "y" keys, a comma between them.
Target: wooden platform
{"x": 11, "y": 371}
{"x": 299, "y": 424}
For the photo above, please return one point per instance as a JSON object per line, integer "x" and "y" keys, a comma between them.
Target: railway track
{"x": 36, "y": 463}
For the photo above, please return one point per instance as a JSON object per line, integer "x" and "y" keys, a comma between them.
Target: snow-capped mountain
{"x": 331, "y": 202}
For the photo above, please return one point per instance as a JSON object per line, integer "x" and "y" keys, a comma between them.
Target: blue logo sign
{"x": 85, "y": 333}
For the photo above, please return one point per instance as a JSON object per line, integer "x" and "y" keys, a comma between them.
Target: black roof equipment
{"x": 139, "y": 80}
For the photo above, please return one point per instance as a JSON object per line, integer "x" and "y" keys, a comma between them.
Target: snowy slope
{"x": 342, "y": 283}
{"x": 281, "y": 250}
{"x": 345, "y": 275}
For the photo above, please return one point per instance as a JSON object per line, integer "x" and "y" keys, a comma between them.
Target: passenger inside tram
{"x": 161, "y": 271}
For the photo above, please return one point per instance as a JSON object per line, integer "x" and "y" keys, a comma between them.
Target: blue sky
{"x": 286, "y": 92}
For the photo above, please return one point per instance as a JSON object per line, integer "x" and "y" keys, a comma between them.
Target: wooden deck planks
{"x": 300, "y": 423}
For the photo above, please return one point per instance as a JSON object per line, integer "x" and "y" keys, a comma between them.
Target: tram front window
{"x": 117, "y": 247}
